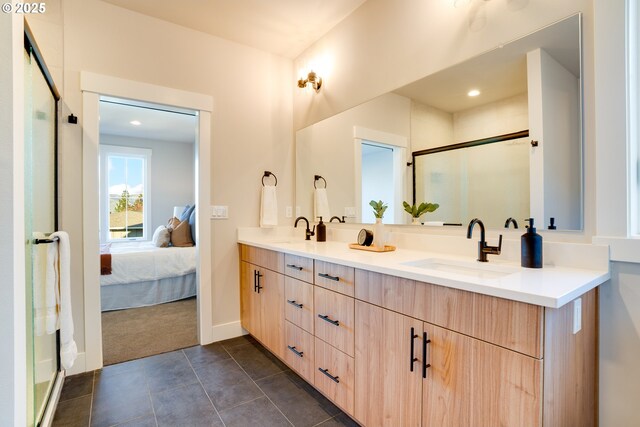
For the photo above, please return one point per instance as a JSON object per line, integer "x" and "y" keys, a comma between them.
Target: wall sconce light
{"x": 312, "y": 79}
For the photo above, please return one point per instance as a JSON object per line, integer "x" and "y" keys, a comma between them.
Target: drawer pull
{"x": 293, "y": 302}
{"x": 425, "y": 365}
{"x": 298, "y": 353}
{"x": 330, "y": 277}
{"x": 413, "y": 336}
{"x": 295, "y": 267}
{"x": 326, "y": 318}
{"x": 326, "y": 372}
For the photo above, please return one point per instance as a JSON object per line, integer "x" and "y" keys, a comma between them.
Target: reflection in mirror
{"x": 531, "y": 84}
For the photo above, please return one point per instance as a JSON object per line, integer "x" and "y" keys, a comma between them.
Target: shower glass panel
{"x": 40, "y": 220}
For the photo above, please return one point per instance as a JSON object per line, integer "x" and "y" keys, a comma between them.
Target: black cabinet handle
{"x": 326, "y": 318}
{"x": 256, "y": 281}
{"x": 293, "y": 302}
{"x": 326, "y": 372}
{"x": 328, "y": 276}
{"x": 412, "y": 337}
{"x": 295, "y": 267}
{"x": 425, "y": 365}
{"x": 298, "y": 353}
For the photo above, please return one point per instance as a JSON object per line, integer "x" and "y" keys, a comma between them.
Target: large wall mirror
{"x": 513, "y": 149}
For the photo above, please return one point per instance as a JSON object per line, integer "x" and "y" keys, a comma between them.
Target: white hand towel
{"x": 45, "y": 288}
{"x": 268, "y": 207}
{"x": 321, "y": 204}
{"x": 68, "y": 347}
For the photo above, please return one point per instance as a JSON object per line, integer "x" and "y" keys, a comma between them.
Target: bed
{"x": 143, "y": 274}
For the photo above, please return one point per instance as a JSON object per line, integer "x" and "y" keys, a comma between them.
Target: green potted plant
{"x": 416, "y": 211}
{"x": 379, "y": 238}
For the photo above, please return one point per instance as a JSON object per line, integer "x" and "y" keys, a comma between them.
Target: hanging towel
{"x": 68, "y": 348}
{"x": 45, "y": 288}
{"x": 268, "y": 207}
{"x": 321, "y": 204}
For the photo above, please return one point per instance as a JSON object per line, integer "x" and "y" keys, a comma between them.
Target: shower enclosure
{"x": 44, "y": 377}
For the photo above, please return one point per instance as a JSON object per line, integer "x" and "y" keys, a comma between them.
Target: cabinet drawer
{"x": 510, "y": 324}
{"x": 334, "y": 375}
{"x": 336, "y": 277}
{"x": 299, "y": 351}
{"x": 298, "y": 308}
{"x": 262, "y": 257}
{"x": 299, "y": 267}
{"x": 334, "y": 319}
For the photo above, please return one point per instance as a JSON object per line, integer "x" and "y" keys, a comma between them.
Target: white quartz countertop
{"x": 550, "y": 286}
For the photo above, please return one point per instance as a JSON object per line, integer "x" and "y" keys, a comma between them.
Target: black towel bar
{"x": 43, "y": 241}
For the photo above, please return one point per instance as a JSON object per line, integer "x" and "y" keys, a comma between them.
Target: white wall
{"x": 172, "y": 174}
{"x": 109, "y": 40}
{"x": 430, "y": 127}
{"x": 13, "y": 359}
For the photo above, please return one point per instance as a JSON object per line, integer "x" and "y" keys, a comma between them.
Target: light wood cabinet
{"x": 298, "y": 308}
{"x": 334, "y": 319}
{"x": 388, "y": 376}
{"x": 299, "y": 353}
{"x": 262, "y": 305}
{"x": 335, "y": 277}
{"x": 299, "y": 267}
{"x": 334, "y": 375}
{"x": 473, "y": 383}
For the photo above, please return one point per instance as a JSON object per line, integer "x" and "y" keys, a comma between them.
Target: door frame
{"x": 400, "y": 145}
{"x": 93, "y": 86}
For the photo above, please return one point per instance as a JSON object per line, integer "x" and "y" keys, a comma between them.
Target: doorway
{"x": 377, "y": 179}
{"x": 96, "y": 87}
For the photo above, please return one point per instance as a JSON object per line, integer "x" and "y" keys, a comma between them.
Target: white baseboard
{"x": 79, "y": 366}
{"x": 227, "y": 330}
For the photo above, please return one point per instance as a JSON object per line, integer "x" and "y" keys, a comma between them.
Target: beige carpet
{"x": 141, "y": 332}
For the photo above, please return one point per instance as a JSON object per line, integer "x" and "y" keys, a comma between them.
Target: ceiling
{"x": 282, "y": 27}
{"x": 156, "y": 122}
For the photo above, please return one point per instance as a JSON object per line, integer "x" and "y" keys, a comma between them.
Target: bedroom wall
{"x": 251, "y": 127}
{"x": 172, "y": 174}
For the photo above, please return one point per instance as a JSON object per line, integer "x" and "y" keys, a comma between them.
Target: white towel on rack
{"x": 68, "y": 347}
{"x": 321, "y": 204}
{"x": 268, "y": 207}
{"x": 45, "y": 288}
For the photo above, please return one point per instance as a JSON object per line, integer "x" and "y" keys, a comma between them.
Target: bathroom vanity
{"x": 410, "y": 338}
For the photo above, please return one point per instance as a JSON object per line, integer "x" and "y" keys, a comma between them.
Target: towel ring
{"x": 316, "y": 178}
{"x": 266, "y": 174}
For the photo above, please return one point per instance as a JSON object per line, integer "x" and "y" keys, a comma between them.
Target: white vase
{"x": 379, "y": 238}
{"x": 415, "y": 221}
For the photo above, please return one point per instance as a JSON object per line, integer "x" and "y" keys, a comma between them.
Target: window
{"x": 124, "y": 193}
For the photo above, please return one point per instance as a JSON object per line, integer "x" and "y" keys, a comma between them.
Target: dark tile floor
{"x": 230, "y": 383}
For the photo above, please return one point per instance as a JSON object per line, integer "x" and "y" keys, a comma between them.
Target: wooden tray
{"x": 387, "y": 248}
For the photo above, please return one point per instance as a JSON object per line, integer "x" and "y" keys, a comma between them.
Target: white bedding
{"x": 141, "y": 262}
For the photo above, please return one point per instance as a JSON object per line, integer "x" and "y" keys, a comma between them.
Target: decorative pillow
{"x": 192, "y": 225}
{"x": 181, "y": 235}
{"x": 187, "y": 212}
{"x": 173, "y": 223}
{"x": 161, "y": 237}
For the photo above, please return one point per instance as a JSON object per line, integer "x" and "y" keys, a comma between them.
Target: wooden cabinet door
{"x": 271, "y": 295}
{"x": 249, "y": 302}
{"x": 389, "y": 393}
{"x": 474, "y": 383}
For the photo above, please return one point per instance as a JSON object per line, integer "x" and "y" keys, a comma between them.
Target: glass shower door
{"x": 40, "y": 220}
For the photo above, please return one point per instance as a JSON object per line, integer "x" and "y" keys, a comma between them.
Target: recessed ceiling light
{"x": 135, "y": 122}
{"x": 474, "y": 92}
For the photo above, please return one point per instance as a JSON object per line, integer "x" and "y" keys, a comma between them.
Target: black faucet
{"x": 483, "y": 249}
{"x": 308, "y": 233}
{"x": 510, "y": 220}
{"x": 338, "y": 218}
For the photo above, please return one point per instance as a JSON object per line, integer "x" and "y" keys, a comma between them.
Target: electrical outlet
{"x": 350, "y": 212}
{"x": 288, "y": 212}
{"x": 577, "y": 315}
{"x": 297, "y": 211}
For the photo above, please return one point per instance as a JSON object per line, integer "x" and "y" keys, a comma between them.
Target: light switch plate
{"x": 297, "y": 211}
{"x": 577, "y": 315}
{"x": 219, "y": 212}
{"x": 288, "y": 212}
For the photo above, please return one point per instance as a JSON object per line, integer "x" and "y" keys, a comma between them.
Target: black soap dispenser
{"x": 531, "y": 247}
{"x": 321, "y": 231}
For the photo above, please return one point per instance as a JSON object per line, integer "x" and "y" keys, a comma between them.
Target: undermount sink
{"x": 473, "y": 269}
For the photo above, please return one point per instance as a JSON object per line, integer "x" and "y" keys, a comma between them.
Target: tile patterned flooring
{"x": 229, "y": 383}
